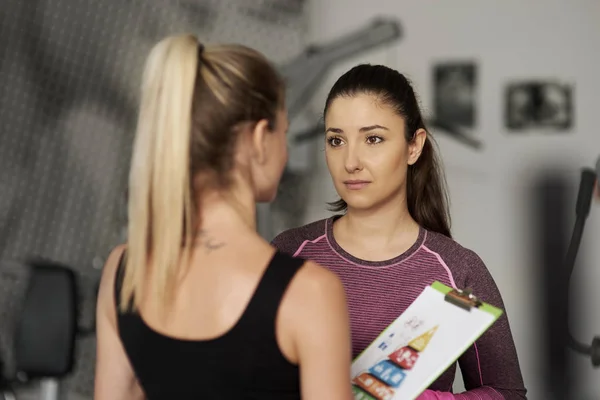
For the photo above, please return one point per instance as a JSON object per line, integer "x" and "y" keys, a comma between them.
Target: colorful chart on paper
{"x": 419, "y": 346}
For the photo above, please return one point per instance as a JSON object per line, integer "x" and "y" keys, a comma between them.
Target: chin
{"x": 359, "y": 203}
{"x": 360, "y": 206}
{"x": 364, "y": 201}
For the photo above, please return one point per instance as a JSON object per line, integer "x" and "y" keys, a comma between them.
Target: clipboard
{"x": 422, "y": 343}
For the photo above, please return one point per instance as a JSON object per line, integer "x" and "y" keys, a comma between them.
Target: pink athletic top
{"x": 378, "y": 292}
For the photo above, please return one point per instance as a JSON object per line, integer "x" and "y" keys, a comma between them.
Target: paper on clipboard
{"x": 433, "y": 332}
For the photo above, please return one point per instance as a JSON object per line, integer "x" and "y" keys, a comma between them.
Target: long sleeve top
{"x": 378, "y": 292}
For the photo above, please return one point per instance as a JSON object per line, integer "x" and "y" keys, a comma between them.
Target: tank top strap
{"x": 262, "y": 310}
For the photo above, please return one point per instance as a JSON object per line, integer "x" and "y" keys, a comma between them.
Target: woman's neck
{"x": 377, "y": 234}
{"x": 223, "y": 211}
{"x": 380, "y": 224}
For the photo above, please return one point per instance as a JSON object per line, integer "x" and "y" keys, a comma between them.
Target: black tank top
{"x": 243, "y": 363}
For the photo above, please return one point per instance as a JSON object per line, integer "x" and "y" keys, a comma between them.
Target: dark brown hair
{"x": 427, "y": 196}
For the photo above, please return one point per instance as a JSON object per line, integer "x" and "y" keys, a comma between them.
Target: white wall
{"x": 511, "y": 39}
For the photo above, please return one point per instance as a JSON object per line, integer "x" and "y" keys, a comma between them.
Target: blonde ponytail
{"x": 160, "y": 200}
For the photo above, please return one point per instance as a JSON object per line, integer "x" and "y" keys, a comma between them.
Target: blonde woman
{"x": 197, "y": 305}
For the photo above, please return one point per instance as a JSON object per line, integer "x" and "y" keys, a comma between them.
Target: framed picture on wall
{"x": 455, "y": 87}
{"x": 454, "y": 101}
{"x": 539, "y": 105}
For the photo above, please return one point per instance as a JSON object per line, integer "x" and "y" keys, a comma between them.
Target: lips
{"x": 356, "y": 184}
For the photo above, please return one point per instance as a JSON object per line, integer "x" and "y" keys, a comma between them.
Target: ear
{"x": 259, "y": 136}
{"x": 415, "y": 146}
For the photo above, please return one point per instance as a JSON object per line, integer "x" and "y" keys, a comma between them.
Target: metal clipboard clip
{"x": 463, "y": 299}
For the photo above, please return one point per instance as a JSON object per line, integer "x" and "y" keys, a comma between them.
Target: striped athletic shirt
{"x": 378, "y": 292}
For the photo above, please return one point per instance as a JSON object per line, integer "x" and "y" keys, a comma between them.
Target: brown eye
{"x": 334, "y": 141}
{"x": 374, "y": 139}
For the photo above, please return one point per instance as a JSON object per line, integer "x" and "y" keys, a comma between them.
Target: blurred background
{"x": 510, "y": 89}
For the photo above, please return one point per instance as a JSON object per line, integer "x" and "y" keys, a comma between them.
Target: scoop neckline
{"x": 395, "y": 260}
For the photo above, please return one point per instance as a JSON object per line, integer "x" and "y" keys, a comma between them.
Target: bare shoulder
{"x": 317, "y": 315}
{"x": 318, "y": 276}
{"x": 315, "y": 284}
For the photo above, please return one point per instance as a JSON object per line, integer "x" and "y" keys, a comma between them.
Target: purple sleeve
{"x": 290, "y": 241}
{"x": 490, "y": 367}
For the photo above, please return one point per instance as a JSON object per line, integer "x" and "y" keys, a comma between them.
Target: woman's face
{"x": 367, "y": 152}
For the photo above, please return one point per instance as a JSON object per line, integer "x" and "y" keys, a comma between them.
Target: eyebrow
{"x": 363, "y": 129}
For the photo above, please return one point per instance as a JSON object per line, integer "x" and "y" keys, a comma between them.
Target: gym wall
{"x": 70, "y": 73}
{"x": 508, "y": 41}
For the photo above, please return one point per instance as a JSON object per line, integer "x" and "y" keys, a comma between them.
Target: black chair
{"x": 47, "y": 327}
{"x": 6, "y": 392}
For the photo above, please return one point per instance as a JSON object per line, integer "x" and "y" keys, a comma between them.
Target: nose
{"x": 352, "y": 162}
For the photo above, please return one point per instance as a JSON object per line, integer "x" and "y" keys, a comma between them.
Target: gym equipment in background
{"x": 555, "y": 262}
{"x": 6, "y": 392}
{"x": 305, "y": 73}
{"x": 550, "y": 216}
{"x": 46, "y": 330}
{"x": 589, "y": 179}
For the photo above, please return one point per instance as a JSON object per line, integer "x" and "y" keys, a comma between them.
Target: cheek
{"x": 328, "y": 157}
{"x": 333, "y": 159}
{"x": 387, "y": 163}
